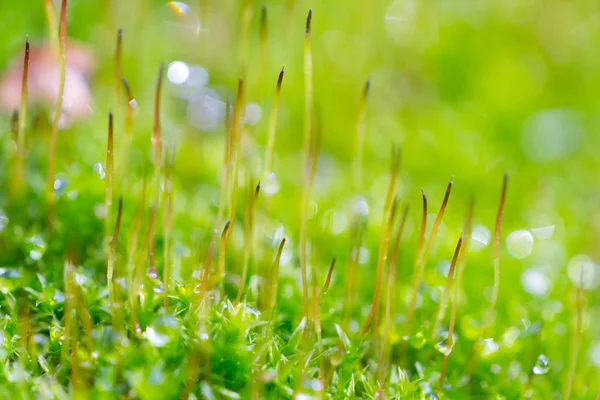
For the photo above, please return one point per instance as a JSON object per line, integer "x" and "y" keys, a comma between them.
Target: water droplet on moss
{"x": 418, "y": 340}
{"x": 542, "y": 365}
{"x": 519, "y": 243}
{"x": 443, "y": 345}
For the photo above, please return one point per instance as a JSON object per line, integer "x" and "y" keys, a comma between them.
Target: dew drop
{"x": 36, "y": 247}
{"x": 480, "y": 237}
{"x": 159, "y": 289}
{"x": 519, "y": 243}
{"x": 99, "y": 170}
{"x": 510, "y": 336}
{"x": 157, "y": 339}
{"x": 418, "y": 340}
{"x": 443, "y": 346}
{"x": 60, "y": 184}
{"x": 544, "y": 232}
{"x": 10, "y": 273}
{"x": 271, "y": 185}
{"x": 542, "y": 365}
{"x": 489, "y": 346}
{"x": 361, "y": 207}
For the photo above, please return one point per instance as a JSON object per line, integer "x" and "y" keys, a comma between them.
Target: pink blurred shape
{"x": 44, "y": 80}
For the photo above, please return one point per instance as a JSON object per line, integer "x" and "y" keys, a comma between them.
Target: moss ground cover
{"x": 299, "y": 200}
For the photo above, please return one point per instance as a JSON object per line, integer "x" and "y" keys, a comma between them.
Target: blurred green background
{"x": 469, "y": 89}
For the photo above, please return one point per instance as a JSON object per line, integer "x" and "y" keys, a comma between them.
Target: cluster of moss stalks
{"x": 227, "y": 330}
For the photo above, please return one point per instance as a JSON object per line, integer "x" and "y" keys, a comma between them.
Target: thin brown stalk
{"x": 62, "y": 38}
{"x": 422, "y": 259}
{"x": 328, "y": 279}
{"x": 22, "y": 118}
{"x": 137, "y": 220}
{"x": 352, "y": 279}
{"x": 248, "y": 241}
{"x": 360, "y": 136}
{"x": 497, "y": 236}
{"x": 167, "y": 223}
{"x": 447, "y": 290}
{"x": 389, "y": 300}
{"x": 457, "y": 286}
{"x": 450, "y": 339}
{"x": 130, "y": 108}
{"x": 389, "y": 213}
{"x": 221, "y": 265}
{"x": 275, "y": 275}
{"x": 235, "y": 148}
{"x": 273, "y": 127}
{"x": 304, "y": 200}
{"x": 224, "y": 191}
{"x": 118, "y": 69}
{"x": 109, "y": 180}
{"x": 157, "y": 145}
{"x": 489, "y": 316}
{"x": 14, "y": 126}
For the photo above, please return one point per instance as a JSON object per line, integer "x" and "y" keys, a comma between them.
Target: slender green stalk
{"x": 305, "y": 197}
{"x": 249, "y": 240}
{"x": 157, "y": 145}
{"x": 113, "y": 253}
{"x": 357, "y": 235}
{"x": 489, "y": 316}
{"x": 328, "y": 279}
{"x": 576, "y": 338}
{"x": 390, "y": 300}
{"x": 389, "y": 213}
{"x": 167, "y": 223}
{"x": 52, "y": 27}
{"x": 450, "y": 339}
{"x": 317, "y": 319}
{"x": 118, "y": 70}
{"x": 62, "y": 39}
{"x": 273, "y": 128}
{"x": 422, "y": 259}
{"x": 108, "y": 197}
{"x": 130, "y": 114}
{"x": 221, "y": 265}
{"x": 275, "y": 276}
{"x": 360, "y": 137}
{"x": 19, "y": 178}
{"x": 447, "y": 290}
{"x": 492, "y": 307}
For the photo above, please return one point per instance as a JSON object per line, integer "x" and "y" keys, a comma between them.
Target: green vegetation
{"x": 192, "y": 220}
